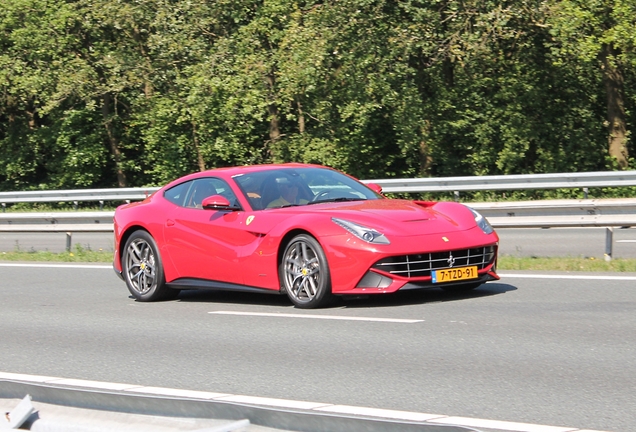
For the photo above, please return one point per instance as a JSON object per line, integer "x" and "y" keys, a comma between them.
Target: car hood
{"x": 397, "y": 217}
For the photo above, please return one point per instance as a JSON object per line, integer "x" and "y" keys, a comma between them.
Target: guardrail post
{"x": 75, "y": 205}
{"x": 101, "y": 205}
{"x": 456, "y": 195}
{"x": 585, "y": 192}
{"x": 4, "y": 207}
{"x": 609, "y": 241}
{"x": 68, "y": 241}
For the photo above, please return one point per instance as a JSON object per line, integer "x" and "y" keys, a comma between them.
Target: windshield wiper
{"x": 349, "y": 199}
{"x": 341, "y": 199}
{"x": 288, "y": 205}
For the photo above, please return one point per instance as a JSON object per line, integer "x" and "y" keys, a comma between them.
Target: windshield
{"x": 287, "y": 187}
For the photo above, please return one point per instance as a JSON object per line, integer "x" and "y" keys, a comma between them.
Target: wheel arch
{"x": 126, "y": 235}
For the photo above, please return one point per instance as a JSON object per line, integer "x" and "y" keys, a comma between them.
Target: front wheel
{"x": 304, "y": 273}
{"x": 142, "y": 269}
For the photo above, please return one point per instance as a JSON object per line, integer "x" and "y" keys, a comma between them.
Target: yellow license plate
{"x": 454, "y": 274}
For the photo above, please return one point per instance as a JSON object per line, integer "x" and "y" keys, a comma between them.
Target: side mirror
{"x": 217, "y": 202}
{"x": 375, "y": 187}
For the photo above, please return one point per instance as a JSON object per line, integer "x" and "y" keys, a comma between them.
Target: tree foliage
{"x": 102, "y": 93}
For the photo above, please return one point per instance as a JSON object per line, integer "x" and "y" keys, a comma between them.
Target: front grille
{"x": 421, "y": 265}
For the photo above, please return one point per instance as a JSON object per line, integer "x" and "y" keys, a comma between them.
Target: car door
{"x": 206, "y": 243}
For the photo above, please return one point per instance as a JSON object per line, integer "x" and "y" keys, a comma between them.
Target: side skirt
{"x": 193, "y": 283}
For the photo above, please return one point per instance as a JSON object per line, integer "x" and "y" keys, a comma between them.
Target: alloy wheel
{"x": 302, "y": 272}
{"x": 140, "y": 266}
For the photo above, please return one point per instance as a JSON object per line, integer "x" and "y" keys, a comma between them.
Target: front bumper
{"x": 375, "y": 283}
{"x": 376, "y": 272}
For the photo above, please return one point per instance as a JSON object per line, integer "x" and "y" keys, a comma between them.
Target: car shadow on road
{"x": 400, "y": 298}
{"x": 423, "y": 296}
{"x": 233, "y": 297}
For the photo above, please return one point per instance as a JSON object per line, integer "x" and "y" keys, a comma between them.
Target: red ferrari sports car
{"x": 307, "y": 231}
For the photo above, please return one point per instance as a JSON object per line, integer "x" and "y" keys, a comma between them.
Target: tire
{"x": 304, "y": 273}
{"x": 142, "y": 269}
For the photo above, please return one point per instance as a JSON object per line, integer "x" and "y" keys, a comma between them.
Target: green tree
{"x": 601, "y": 33}
{"x": 122, "y": 92}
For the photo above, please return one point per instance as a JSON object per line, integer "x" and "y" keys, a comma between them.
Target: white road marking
{"x": 324, "y": 317}
{"x": 579, "y": 277}
{"x": 40, "y": 265}
{"x": 292, "y": 404}
{"x": 625, "y": 241}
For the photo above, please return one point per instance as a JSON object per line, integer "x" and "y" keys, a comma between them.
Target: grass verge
{"x": 566, "y": 264}
{"x": 81, "y": 254}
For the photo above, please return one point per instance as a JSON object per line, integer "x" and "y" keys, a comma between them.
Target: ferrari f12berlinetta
{"x": 307, "y": 231}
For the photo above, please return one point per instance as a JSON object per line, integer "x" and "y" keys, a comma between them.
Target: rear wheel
{"x": 142, "y": 269}
{"x": 304, "y": 273}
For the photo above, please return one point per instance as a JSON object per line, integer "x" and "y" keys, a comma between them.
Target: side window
{"x": 251, "y": 185}
{"x": 208, "y": 186}
{"x": 176, "y": 194}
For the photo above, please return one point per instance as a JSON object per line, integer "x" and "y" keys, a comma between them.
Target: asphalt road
{"x": 586, "y": 242}
{"x": 549, "y": 351}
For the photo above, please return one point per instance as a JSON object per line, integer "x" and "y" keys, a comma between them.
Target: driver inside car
{"x": 288, "y": 190}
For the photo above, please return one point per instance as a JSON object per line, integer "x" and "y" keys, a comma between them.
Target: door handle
{"x": 169, "y": 222}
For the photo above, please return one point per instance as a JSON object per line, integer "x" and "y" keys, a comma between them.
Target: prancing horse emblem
{"x": 450, "y": 260}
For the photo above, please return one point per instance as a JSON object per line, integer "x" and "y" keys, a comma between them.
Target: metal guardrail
{"x": 510, "y": 182}
{"x": 605, "y": 213}
{"x": 560, "y": 213}
{"x": 52, "y": 221}
{"x": 58, "y": 222}
{"x": 446, "y": 184}
{"x": 103, "y": 404}
{"x": 80, "y": 195}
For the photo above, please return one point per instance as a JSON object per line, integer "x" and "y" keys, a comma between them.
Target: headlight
{"x": 363, "y": 233}
{"x": 482, "y": 222}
